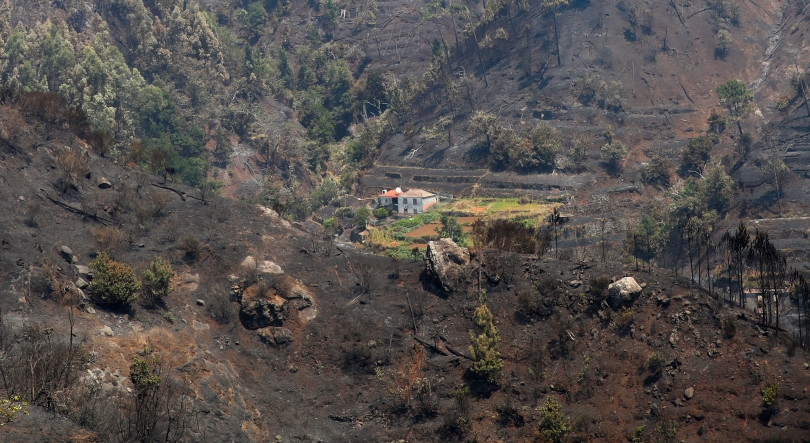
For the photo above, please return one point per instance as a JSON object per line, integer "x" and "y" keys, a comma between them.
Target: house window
{"x": 414, "y": 201}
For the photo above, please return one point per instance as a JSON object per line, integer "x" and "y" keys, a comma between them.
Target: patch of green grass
{"x": 409, "y": 224}
{"x": 499, "y": 207}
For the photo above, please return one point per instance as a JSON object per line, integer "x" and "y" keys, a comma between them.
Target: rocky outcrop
{"x": 261, "y": 266}
{"x": 446, "y": 262}
{"x": 275, "y": 336}
{"x": 623, "y": 292}
{"x": 261, "y": 308}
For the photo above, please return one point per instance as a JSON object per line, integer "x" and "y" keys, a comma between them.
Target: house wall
{"x": 415, "y": 205}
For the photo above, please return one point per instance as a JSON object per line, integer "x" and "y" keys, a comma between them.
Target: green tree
{"x": 723, "y": 40}
{"x": 502, "y": 147}
{"x": 695, "y": 155}
{"x": 156, "y": 281}
{"x": 484, "y": 124}
{"x": 256, "y": 17}
{"x": 554, "y": 426}
{"x": 578, "y": 154}
{"x": 143, "y": 372}
{"x": 544, "y": 143}
{"x": 361, "y": 217}
{"x": 716, "y": 188}
{"x": 716, "y": 123}
{"x": 657, "y": 171}
{"x": 450, "y": 228}
{"x": 114, "y": 283}
{"x": 614, "y": 153}
{"x": 487, "y": 360}
{"x": 737, "y": 99}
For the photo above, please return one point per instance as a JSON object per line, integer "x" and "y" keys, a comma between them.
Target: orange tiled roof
{"x": 391, "y": 193}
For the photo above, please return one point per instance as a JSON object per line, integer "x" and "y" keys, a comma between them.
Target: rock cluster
{"x": 261, "y": 308}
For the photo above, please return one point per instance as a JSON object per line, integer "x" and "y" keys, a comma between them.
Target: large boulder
{"x": 275, "y": 336}
{"x": 624, "y": 292}
{"x": 446, "y": 262}
{"x": 261, "y": 308}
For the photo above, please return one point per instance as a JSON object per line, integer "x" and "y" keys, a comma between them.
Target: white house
{"x": 415, "y": 201}
{"x": 389, "y": 198}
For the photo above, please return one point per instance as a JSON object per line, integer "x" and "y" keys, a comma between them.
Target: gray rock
{"x": 90, "y": 310}
{"x": 200, "y": 326}
{"x": 575, "y": 283}
{"x": 81, "y": 283}
{"x": 66, "y": 253}
{"x": 103, "y": 183}
{"x": 84, "y": 271}
{"x": 275, "y": 336}
{"x": 806, "y": 365}
{"x": 688, "y": 393}
{"x": 446, "y": 262}
{"x": 623, "y": 292}
{"x": 200, "y": 302}
{"x": 107, "y": 331}
{"x": 673, "y": 339}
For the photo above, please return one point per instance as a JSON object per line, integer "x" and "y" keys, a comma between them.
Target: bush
{"x": 657, "y": 172}
{"x": 655, "y": 362}
{"x": 156, "y": 281}
{"x": 361, "y": 217}
{"x": 142, "y": 372}
{"x": 769, "y": 394}
{"x": 613, "y": 153}
{"x": 695, "y": 155}
{"x": 381, "y": 213}
{"x": 114, "y": 283}
{"x": 554, "y": 426}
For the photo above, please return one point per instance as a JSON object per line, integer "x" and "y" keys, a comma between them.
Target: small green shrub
{"x": 114, "y": 283}
{"x": 638, "y": 435}
{"x": 554, "y": 426}
{"x": 156, "y": 281}
{"x": 381, "y": 213}
{"x": 769, "y": 394}
{"x": 143, "y": 372}
{"x": 655, "y": 362}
